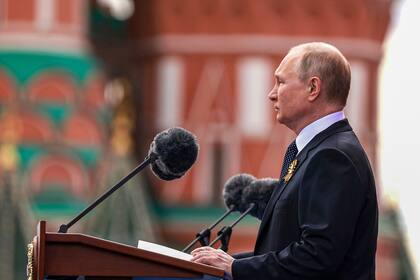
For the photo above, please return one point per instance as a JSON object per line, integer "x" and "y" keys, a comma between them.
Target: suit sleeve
{"x": 243, "y": 255}
{"x": 331, "y": 197}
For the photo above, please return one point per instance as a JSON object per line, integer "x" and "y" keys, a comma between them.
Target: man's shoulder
{"x": 343, "y": 143}
{"x": 334, "y": 139}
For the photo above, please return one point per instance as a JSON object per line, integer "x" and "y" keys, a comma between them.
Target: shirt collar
{"x": 311, "y": 130}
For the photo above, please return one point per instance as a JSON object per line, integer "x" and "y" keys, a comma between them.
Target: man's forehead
{"x": 291, "y": 59}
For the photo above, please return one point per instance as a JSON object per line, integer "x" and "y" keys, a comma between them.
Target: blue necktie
{"x": 288, "y": 158}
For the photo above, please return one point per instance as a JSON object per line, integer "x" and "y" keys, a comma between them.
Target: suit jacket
{"x": 322, "y": 223}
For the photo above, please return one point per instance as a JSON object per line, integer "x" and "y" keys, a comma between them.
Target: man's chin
{"x": 279, "y": 118}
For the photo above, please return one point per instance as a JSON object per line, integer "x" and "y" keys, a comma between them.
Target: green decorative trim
{"x": 56, "y": 201}
{"x": 201, "y": 215}
{"x": 27, "y": 153}
{"x": 57, "y": 113}
{"x": 89, "y": 156}
{"x": 24, "y": 65}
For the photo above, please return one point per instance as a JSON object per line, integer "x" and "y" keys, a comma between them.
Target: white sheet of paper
{"x": 156, "y": 248}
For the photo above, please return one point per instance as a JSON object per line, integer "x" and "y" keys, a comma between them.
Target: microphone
{"x": 174, "y": 152}
{"x": 232, "y": 191}
{"x": 259, "y": 192}
{"x": 255, "y": 198}
{"x": 171, "y": 153}
{"x": 232, "y": 196}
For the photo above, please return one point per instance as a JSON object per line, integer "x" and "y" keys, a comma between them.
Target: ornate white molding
{"x": 254, "y": 43}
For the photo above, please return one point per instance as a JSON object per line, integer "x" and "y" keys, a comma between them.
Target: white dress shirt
{"x": 314, "y": 128}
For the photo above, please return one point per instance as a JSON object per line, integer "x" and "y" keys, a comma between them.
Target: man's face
{"x": 289, "y": 94}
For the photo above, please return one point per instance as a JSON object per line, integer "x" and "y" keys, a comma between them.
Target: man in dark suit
{"x": 321, "y": 222}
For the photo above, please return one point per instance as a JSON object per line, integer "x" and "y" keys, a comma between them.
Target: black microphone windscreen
{"x": 174, "y": 152}
{"x": 259, "y": 192}
{"x": 232, "y": 191}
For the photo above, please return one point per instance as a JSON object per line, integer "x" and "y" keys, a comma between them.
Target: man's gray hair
{"x": 329, "y": 65}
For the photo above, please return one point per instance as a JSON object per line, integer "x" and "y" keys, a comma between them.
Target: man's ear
{"x": 314, "y": 88}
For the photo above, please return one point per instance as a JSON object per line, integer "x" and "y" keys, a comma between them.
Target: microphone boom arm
{"x": 140, "y": 167}
{"x": 224, "y": 234}
{"x": 204, "y": 235}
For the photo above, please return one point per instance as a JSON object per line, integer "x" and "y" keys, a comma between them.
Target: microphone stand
{"x": 204, "y": 235}
{"x": 225, "y": 233}
{"x": 140, "y": 167}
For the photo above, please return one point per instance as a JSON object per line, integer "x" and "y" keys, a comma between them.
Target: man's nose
{"x": 272, "y": 95}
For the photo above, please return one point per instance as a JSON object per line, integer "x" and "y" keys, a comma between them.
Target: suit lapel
{"x": 340, "y": 126}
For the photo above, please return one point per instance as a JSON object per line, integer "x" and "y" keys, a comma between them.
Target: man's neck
{"x": 316, "y": 115}
{"x": 316, "y": 127}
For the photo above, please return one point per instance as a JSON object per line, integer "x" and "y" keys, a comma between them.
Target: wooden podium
{"x": 68, "y": 254}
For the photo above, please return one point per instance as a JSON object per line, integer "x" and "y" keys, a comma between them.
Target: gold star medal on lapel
{"x": 290, "y": 170}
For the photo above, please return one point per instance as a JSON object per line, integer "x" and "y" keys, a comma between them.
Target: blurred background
{"x": 85, "y": 86}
